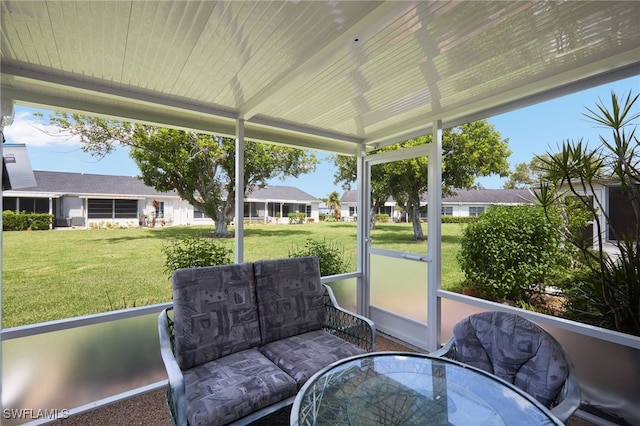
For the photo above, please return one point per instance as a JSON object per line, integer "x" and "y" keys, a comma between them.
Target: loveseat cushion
{"x": 513, "y": 349}
{"x": 215, "y": 312}
{"x": 231, "y": 387}
{"x": 303, "y": 355}
{"x": 290, "y": 297}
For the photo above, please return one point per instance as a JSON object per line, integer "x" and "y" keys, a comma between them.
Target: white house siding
{"x": 600, "y": 193}
{"x": 72, "y": 207}
{"x": 464, "y": 210}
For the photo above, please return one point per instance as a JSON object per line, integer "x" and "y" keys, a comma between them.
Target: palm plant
{"x": 605, "y": 291}
{"x": 333, "y": 202}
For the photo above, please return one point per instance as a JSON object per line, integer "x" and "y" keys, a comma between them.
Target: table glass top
{"x": 412, "y": 389}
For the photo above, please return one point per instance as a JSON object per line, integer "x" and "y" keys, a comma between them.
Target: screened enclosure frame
{"x": 339, "y": 77}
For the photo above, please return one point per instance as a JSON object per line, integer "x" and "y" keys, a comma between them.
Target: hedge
{"x": 12, "y": 221}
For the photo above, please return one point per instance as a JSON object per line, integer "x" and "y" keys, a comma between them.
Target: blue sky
{"x": 531, "y": 131}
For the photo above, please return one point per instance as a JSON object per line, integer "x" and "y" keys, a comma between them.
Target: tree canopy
{"x": 469, "y": 151}
{"x": 527, "y": 175}
{"x": 199, "y": 167}
{"x": 520, "y": 177}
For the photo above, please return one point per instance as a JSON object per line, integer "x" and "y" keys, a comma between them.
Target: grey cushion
{"x": 215, "y": 312}
{"x": 303, "y": 355}
{"x": 290, "y": 297}
{"x": 514, "y": 349}
{"x": 229, "y": 388}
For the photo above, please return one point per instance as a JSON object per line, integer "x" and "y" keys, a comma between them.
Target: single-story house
{"x": 91, "y": 200}
{"x": 274, "y": 203}
{"x": 620, "y": 216}
{"x": 472, "y": 202}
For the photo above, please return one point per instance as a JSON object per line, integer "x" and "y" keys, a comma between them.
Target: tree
{"x": 605, "y": 290}
{"x": 520, "y": 178}
{"x": 333, "y": 202}
{"x": 526, "y": 175}
{"x": 199, "y": 167}
{"x": 469, "y": 151}
{"x": 346, "y": 172}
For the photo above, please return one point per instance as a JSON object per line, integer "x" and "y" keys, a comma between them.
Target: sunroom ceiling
{"x": 322, "y": 74}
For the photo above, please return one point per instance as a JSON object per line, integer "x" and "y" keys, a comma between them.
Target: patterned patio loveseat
{"x": 241, "y": 339}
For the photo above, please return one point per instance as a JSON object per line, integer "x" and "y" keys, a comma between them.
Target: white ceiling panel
{"x": 323, "y": 74}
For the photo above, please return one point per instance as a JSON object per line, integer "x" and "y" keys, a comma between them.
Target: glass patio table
{"x": 405, "y": 388}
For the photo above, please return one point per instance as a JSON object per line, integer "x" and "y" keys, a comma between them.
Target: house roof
{"x": 350, "y": 197}
{"x": 470, "y": 196}
{"x": 289, "y": 194}
{"x": 337, "y": 76}
{"x": 65, "y": 183}
{"x": 489, "y": 196}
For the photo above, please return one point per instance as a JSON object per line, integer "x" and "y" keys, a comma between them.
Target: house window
{"x": 475, "y": 211}
{"x": 423, "y": 212}
{"x": 10, "y": 203}
{"x": 198, "y": 214}
{"x": 159, "y": 206}
{"x": 25, "y": 204}
{"x": 308, "y": 210}
{"x": 125, "y": 209}
{"x": 104, "y": 208}
{"x": 99, "y": 208}
{"x": 622, "y": 219}
{"x": 447, "y": 211}
{"x": 273, "y": 209}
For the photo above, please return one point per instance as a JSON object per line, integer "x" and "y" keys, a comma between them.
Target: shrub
{"x": 608, "y": 294}
{"x": 384, "y": 218}
{"x": 297, "y": 218}
{"x": 459, "y": 219}
{"x": 40, "y": 221}
{"x": 12, "y": 221}
{"x": 330, "y": 255}
{"x": 510, "y": 252}
{"x": 193, "y": 252}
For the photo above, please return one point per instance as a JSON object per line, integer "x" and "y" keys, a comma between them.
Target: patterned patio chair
{"x": 520, "y": 352}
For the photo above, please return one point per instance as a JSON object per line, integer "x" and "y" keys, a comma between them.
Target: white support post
{"x": 6, "y": 118}
{"x": 434, "y": 234}
{"x": 239, "y": 202}
{"x": 266, "y": 212}
{"x": 51, "y": 211}
{"x": 363, "y": 184}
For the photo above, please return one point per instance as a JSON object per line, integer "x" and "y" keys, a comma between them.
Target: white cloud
{"x": 29, "y": 130}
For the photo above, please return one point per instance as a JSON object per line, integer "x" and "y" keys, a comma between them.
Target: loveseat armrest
{"x": 347, "y": 325}
{"x": 176, "y": 399}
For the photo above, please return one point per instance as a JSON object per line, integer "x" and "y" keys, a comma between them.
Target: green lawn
{"x": 49, "y": 275}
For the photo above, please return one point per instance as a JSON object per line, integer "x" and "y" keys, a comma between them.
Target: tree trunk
{"x": 372, "y": 219}
{"x": 221, "y": 225}
{"x": 415, "y": 220}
